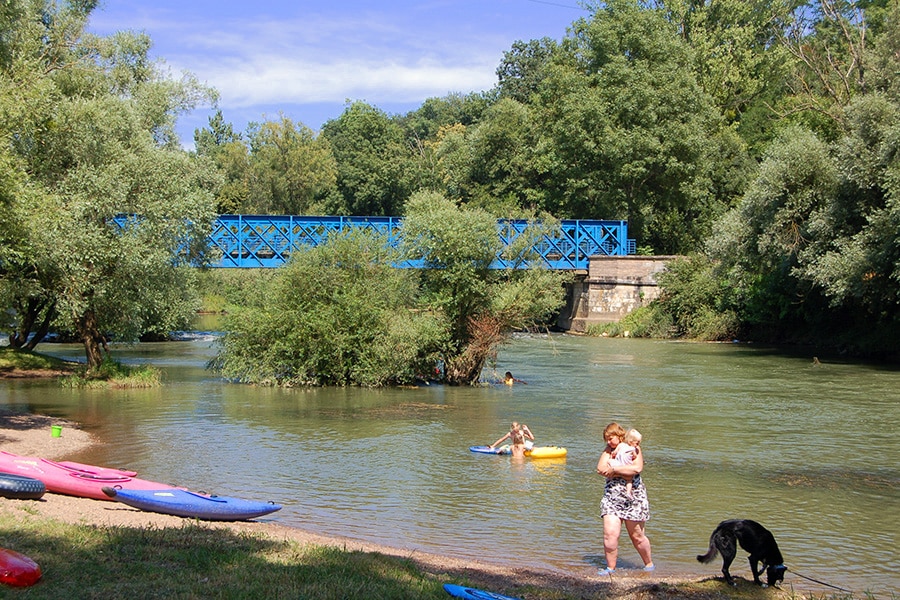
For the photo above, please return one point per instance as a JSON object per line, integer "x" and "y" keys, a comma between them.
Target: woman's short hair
{"x": 614, "y": 429}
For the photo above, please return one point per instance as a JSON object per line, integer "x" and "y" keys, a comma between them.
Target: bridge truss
{"x": 267, "y": 241}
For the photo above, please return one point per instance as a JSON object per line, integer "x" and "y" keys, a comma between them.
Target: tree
{"x": 524, "y": 67}
{"x": 854, "y": 249}
{"x": 373, "y": 162}
{"x": 628, "y": 127}
{"x": 98, "y": 144}
{"x": 337, "y": 314}
{"x": 760, "y": 242}
{"x": 231, "y": 156}
{"x": 492, "y": 164}
{"x": 829, "y": 43}
{"x": 480, "y": 305}
{"x": 291, "y": 167}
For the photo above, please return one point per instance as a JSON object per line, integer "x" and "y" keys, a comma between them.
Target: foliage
{"x": 854, "y": 250}
{"x": 97, "y": 142}
{"x": 492, "y": 164}
{"x": 276, "y": 167}
{"x": 291, "y": 168}
{"x": 814, "y": 243}
{"x": 374, "y": 162}
{"x": 523, "y": 67}
{"x": 481, "y": 305}
{"x": 337, "y": 314}
{"x": 649, "y": 321}
{"x": 627, "y": 128}
{"x": 737, "y": 56}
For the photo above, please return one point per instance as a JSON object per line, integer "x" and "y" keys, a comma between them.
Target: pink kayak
{"x": 75, "y": 479}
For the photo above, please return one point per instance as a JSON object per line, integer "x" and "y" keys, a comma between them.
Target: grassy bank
{"x": 196, "y": 560}
{"x": 23, "y": 363}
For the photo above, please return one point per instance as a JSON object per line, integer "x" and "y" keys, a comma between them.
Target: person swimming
{"x": 508, "y": 379}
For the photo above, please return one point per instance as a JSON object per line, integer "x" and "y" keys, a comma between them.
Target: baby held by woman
{"x": 625, "y": 453}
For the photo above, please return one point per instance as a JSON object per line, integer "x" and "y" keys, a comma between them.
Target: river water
{"x": 808, "y": 448}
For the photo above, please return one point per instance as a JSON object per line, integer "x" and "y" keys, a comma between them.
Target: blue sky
{"x": 307, "y": 58}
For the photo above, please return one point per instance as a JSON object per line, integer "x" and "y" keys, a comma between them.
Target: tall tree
{"x": 829, "y": 43}
{"x": 524, "y": 67}
{"x": 97, "y": 144}
{"x": 229, "y": 153}
{"x": 628, "y": 128}
{"x": 291, "y": 168}
{"x": 373, "y": 162}
{"x": 493, "y": 164}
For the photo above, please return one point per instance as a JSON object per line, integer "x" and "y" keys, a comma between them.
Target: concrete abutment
{"x": 612, "y": 287}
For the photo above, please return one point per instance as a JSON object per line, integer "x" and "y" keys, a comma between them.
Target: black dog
{"x": 755, "y": 539}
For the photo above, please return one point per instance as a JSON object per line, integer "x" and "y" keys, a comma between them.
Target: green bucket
{"x": 55, "y": 430}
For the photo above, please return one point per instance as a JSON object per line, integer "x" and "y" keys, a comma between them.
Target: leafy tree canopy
{"x": 97, "y": 142}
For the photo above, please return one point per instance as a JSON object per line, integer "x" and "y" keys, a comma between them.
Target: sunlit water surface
{"x": 730, "y": 431}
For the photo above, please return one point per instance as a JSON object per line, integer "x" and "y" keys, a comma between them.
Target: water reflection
{"x": 729, "y": 432}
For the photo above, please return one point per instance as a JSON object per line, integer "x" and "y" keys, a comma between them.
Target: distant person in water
{"x": 508, "y": 379}
{"x": 520, "y": 439}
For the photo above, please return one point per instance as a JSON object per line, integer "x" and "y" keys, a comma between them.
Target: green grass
{"x": 113, "y": 374}
{"x": 197, "y": 561}
{"x": 11, "y": 359}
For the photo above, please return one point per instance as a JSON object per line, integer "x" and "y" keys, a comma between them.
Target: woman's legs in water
{"x": 612, "y": 527}
{"x": 639, "y": 539}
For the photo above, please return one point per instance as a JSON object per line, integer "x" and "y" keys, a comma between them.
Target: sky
{"x": 306, "y": 59}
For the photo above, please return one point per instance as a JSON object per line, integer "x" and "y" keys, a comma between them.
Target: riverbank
{"x": 30, "y": 435}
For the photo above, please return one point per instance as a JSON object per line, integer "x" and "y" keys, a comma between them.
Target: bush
{"x": 337, "y": 314}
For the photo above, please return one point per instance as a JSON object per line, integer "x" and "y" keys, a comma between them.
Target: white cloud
{"x": 316, "y": 60}
{"x": 261, "y": 79}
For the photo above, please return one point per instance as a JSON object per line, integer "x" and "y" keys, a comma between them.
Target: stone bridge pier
{"x": 612, "y": 287}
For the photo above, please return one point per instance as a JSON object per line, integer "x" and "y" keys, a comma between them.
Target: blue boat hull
{"x": 183, "y": 503}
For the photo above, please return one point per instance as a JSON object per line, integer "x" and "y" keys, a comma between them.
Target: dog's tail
{"x": 711, "y": 553}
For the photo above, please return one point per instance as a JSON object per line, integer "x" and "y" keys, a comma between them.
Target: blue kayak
{"x": 183, "y": 503}
{"x": 467, "y": 593}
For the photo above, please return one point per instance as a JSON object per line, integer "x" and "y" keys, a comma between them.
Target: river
{"x": 807, "y": 448}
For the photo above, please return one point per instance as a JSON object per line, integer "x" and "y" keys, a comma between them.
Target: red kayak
{"x": 75, "y": 479}
{"x": 17, "y": 569}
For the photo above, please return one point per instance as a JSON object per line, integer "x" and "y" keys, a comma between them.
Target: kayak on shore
{"x": 75, "y": 479}
{"x": 184, "y": 503}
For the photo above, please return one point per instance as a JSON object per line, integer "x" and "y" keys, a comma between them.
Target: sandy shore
{"x": 29, "y": 435}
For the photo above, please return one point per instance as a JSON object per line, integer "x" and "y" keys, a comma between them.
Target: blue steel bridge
{"x": 267, "y": 241}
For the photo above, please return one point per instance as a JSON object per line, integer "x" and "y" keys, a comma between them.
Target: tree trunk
{"x": 485, "y": 336}
{"x": 43, "y": 328}
{"x": 94, "y": 342}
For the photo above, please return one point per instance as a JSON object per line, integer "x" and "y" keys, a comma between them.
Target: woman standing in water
{"x": 617, "y": 506}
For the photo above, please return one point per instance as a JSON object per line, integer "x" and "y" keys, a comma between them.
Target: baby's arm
{"x": 615, "y": 452}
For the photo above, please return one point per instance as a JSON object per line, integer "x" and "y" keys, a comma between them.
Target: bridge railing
{"x": 267, "y": 241}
